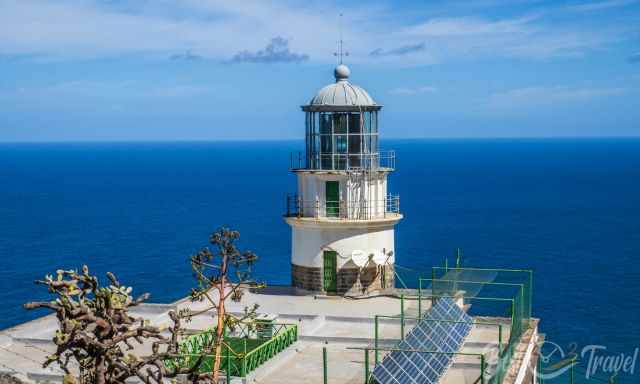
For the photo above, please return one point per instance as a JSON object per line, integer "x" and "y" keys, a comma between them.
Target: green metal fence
{"x": 514, "y": 286}
{"x": 505, "y": 340}
{"x": 500, "y": 341}
{"x": 499, "y": 293}
{"x": 241, "y": 352}
{"x": 503, "y": 293}
{"x": 491, "y": 275}
{"x": 519, "y": 311}
{"x": 368, "y": 378}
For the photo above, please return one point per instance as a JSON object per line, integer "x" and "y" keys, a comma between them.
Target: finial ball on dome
{"x": 342, "y": 72}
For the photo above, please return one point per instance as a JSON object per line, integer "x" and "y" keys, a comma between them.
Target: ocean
{"x": 567, "y": 208}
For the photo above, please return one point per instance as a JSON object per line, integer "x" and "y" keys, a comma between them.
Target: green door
{"x": 332, "y": 198}
{"x": 329, "y": 270}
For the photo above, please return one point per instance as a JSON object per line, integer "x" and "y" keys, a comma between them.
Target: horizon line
{"x": 417, "y": 138}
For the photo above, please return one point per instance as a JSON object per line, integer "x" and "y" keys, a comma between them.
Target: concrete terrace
{"x": 336, "y": 323}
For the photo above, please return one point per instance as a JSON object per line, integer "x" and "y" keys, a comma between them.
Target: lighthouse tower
{"x": 342, "y": 217}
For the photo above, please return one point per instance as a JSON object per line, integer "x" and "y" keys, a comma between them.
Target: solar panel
{"x": 442, "y": 329}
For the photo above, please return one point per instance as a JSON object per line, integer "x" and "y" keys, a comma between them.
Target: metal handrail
{"x": 240, "y": 362}
{"x": 383, "y": 160}
{"x": 341, "y": 209}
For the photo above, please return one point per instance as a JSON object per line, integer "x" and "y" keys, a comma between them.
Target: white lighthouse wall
{"x": 308, "y": 244}
{"x": 353, "y": 192}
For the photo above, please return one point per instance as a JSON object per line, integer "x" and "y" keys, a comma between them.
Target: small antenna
{"x": 340, "y": 53}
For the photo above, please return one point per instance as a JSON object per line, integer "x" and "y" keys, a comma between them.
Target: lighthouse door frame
{"x": 330, "y": 271}
{"x": 332, "y": 198}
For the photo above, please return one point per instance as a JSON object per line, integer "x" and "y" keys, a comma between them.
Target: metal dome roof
{"x": 342, "y": 93}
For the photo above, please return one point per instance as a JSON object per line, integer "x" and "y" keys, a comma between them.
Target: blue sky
{"x": 207, "y": 70}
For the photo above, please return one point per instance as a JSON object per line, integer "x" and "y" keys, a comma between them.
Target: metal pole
{"x": 324, "y": 364}
{"x": 539, "y": 370}
{"x": 288, "y": 205}
{"x": 433, "y": 282}
{"x": 500, "y": 340}
{"x": 481, "y": 369}
{"x": 228, "y": 355}
{"x": 513, "y": 311}
{"x": 228, "y": 364}
{"x": 458, "y": 254}
{"x": 386, "y": 205}
{"x": 530, "y": 293}
{"x": 522, "y": 302}
{"x": 375, "y": 341}
{"x": 402, "y": 317}
{"x": 244, "y": 358}
{"x": 571, "y": 371}
{"x": 419, "y": 298}
{"x": 366, "y": 365}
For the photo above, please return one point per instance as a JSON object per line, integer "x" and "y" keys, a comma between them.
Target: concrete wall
{"x": 308, "y": 243}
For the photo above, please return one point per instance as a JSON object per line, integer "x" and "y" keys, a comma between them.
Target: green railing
{"x": 519, "y": 312}
{"x": 505, "y": 354}
{"x": 269, "y": 349}
{"x": 368, "y": 378}
{"x": 505, "y": 349}
{"x": 477, "y": 285}
{"x": 509, "y": 291}
{"x": 511, "y": 286}
{"x": 402, "y": 318}
{"x": 521, "y": 306}
{"x": 502, "y": 275}
{"x": 240, "y": 354}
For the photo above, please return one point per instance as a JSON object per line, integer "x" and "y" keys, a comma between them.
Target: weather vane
{"x": 340, "y": 53}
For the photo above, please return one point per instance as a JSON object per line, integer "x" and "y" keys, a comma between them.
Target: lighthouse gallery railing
{"x": 348, "y": 210}
{"x": 383, "y": 160}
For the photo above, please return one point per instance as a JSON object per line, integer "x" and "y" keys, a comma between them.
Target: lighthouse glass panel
{"x": 342, "y": 140}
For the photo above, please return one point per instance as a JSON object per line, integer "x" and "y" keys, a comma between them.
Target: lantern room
{"x": 342, "y": 126}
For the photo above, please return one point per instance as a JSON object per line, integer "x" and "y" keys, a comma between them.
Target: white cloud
{"x": 521, "y": 37}
{"x": 277, "y": 51}
{"x": 527, "y": 97}
{"x": 105, "y": 89}
{"x": 214, "y": 29}
{"x": 466, "y": 26}
{"x": 402, "y": 50}
{"x": 600, "y": 5}
{"x": 217, "y": 29}
{"x": 413, "y": 90}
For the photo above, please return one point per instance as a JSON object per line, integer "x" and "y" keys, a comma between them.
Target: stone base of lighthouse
{"x": 351, "y": 281}
{"x": 313, "y": 240}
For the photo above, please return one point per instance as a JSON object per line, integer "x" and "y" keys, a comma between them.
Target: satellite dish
{"x": 359, "y": 258}
{"x": 379, "y": 258}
